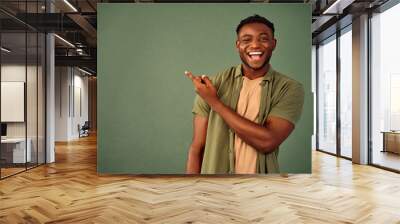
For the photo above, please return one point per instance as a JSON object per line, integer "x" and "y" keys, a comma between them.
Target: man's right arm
{"x": 195, "y": 155}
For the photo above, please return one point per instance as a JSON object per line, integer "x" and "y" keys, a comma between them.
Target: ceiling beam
{"x": 86, "y": 26}
{"x": 84, "y": 61}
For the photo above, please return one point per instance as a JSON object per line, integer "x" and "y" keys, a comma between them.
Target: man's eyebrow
{"x": 265, "y": 34}
{"x": 246, "y": 35}
{"x": 261, "y": 34}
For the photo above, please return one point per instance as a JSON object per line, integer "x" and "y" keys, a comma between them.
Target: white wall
{"x": 62, "y": 81}
{"x": 71, "y": 102}
{"x": 80, "y": 110}
{"x": 15, "y": 72}
{"x": 33, "y": 127}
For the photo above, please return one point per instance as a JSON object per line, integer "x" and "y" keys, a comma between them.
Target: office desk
{"x": 15, "y": 148}
{"x": 391, "y": 141}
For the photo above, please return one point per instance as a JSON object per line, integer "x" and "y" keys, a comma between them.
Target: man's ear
{"x": 275, "y": 41}
{"x": 237, "y": 44}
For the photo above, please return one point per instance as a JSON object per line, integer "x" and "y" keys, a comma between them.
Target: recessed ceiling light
{"x": 337, "y": 7}
{"x": 5, "y": 50}
{"x": 64, "y": 40}
{"x": 84, "y": 71}
{"x": 70, "y": 5}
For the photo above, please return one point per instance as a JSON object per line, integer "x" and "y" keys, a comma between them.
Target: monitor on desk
{"x": 3, "y": 130}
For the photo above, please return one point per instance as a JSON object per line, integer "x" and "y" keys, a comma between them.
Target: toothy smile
{"x": 255, "y": 54}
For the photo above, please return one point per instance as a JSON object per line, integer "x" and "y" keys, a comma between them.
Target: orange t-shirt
{"x": 248, "y": 106}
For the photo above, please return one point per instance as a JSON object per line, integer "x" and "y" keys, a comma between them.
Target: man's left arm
{"x": 273, "y": 132}
{"x": 264, "y": 138}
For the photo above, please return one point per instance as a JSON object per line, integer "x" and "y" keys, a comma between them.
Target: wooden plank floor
{"x": 70, "y": 191}
{"x": 10, "y": 171}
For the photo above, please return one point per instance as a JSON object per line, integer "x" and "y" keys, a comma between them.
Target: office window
{"x": 385, "y": 88}
{"x": 327, "y": 95}
{"x": 346, "y": 92}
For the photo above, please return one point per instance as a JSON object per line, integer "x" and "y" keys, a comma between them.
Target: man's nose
{"x": 255, "y": 43}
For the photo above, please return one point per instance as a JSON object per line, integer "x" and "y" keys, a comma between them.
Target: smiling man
{"x": 243, "y": 114}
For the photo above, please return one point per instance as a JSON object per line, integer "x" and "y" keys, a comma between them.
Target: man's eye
{"x": 246, "y": 41}
{"x": 264, "y": 39}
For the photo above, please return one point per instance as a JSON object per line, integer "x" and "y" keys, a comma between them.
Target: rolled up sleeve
{"x": 200, "y": 107}
{"x": 290, "y": 102}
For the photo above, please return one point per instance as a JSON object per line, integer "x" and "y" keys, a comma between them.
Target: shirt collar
{"x": 267, "y": 77}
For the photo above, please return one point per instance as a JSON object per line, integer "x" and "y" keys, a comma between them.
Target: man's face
{"x": 255, "y": 44}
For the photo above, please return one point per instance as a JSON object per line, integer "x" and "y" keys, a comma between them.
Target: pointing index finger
{"x": 189, "y": 75}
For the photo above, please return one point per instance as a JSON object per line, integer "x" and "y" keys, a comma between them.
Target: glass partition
{"x": 13, "y": 94}
{"x": 346, "y": 92}
{"x": 326, "y": 60}
{"x": 22, "y": 88}
{"x": 41, "y": 87}
{"x": 32, "y": 95}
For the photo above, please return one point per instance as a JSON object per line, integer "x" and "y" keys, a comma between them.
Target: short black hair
{"x": 255, "y": 19}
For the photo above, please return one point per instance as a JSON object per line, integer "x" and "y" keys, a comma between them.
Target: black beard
{"x": 253, "y": 68}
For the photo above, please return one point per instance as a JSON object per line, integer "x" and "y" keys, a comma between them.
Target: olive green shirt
{"x": 281, "y": 96}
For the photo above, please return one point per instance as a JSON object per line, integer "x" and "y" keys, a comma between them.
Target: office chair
{"x": 84, "y": 130}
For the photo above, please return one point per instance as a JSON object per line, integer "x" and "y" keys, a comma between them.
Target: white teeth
{"x": 255, "y": 53}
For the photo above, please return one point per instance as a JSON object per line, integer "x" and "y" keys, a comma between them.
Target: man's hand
{"x": 204, "y": 87}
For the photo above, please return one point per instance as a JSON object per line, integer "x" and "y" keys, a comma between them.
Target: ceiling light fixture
{"x": 337, "y": 7}
{"x": 70, "y": 5}
{"x": 79, "y": 51}
{"x": 331, "y": 7}
{"x": 64, "y": 40}
{"x": 5, "y": 50}
{"x": 84, "y": 71}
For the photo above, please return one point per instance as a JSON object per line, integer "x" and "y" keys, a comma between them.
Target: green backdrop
{"x": 144, "y": 99}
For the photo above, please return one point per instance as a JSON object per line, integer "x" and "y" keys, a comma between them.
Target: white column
{"x": 50, "y": 92}
{"x": 50, "y": 100}
{"x": 360, "y": 90}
